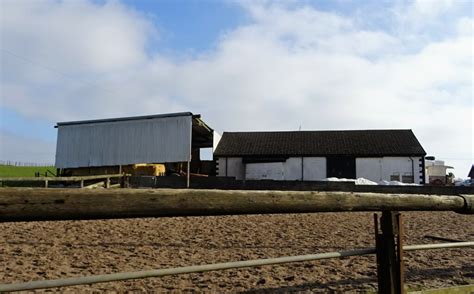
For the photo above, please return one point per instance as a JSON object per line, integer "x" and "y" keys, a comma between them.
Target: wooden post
{"x": 107, "y": 183}
{"x": 401, "y": 234}
{"x": 46, "y": 183}
{"x": 390, "y": 268}
{"x": 126, "y": 181}
{"x": 82, "y": 183}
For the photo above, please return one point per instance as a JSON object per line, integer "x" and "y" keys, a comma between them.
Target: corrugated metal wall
{"x": 156, "y": 140}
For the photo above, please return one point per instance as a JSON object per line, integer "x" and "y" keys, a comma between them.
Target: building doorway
{"x": 341, "y": 167}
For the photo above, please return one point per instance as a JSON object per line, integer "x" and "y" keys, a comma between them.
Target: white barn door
{"x": 369, "y": 168}
{"x": 264, "y": 171}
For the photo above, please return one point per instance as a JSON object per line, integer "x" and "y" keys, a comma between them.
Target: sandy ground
{"x": 48, "y": 250}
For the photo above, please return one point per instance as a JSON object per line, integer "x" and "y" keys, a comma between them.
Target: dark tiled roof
{"x": 471, "y": 172}
{"x": 320, "y": 143}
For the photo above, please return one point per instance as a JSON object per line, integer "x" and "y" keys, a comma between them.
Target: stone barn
{"x": 391, "y": 155}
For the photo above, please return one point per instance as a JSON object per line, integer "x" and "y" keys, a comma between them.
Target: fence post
{"x": 400, "y": 254}
{"x": 390, "y": 267}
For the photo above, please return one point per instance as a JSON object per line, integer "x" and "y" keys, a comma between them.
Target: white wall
{"x": 399, "y": 165}
{"x": 233, "y": 166}
{"x": 369, "y": 168}
{"x": 382, "y": 168}
{"x": 314, "y": 168}
{"x": 216, "y": 138}
{"x": 265, "y": 171}
{"x": 292, "y": 169}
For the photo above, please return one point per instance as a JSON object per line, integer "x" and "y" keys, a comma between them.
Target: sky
{"x": 243, "y": 65}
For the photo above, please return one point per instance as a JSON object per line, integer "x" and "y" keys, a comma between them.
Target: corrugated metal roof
{"x": 320, "y": 143}
{"x": 81, "y": 122}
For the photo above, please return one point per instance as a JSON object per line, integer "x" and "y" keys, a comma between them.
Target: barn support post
{"x": 389, "y": 252}
{"x": 302, "y": 168}
{"x": 122, "y": 181}
{"x": 188, "y": 174}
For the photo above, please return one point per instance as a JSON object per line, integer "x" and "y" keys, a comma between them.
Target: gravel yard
{"x": 48, "y": 250}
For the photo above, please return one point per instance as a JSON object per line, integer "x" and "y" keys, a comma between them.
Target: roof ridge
{"x": 310, "y": 131}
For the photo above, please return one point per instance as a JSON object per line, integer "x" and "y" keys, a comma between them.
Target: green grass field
{"x": 24, "y": 171}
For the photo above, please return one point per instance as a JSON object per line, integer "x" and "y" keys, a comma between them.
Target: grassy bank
{"x": 24, "y": 171}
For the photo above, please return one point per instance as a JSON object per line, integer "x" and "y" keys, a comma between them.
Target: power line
{"x": 75, "y": 79}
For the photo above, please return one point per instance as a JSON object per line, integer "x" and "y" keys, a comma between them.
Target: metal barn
{"x": 117, "y": 142}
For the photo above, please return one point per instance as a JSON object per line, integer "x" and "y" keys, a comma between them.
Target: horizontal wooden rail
{"x": 58, "y": 179}
{"x": 209, "y": 267}
{"x": 31, "y": 204}
{"x": 47, "y": 180}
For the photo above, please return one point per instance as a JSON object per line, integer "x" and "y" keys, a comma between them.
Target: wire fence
{"x": 23, "y": 163}
{"x": 33, "y": 285}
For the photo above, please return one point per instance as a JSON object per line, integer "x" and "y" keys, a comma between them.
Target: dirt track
{"x": 47, "y": 250}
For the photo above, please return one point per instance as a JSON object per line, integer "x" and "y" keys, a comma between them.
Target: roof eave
{"x": 130, "y": 118}
{"x": 216, "y": 154}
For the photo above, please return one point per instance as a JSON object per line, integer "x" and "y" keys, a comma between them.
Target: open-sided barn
{"x": 314, "y": 155}
{"x": 107, "y": 145}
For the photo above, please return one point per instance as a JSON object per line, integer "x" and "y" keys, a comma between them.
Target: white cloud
{"x": 425, "y": 19}
{"x": 289, "y": 66}
{"x": 75, "y": 36}
{"x": 432, "y": 8}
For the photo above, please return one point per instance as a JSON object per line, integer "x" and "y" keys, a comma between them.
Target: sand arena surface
{"x": 48, "y": 250}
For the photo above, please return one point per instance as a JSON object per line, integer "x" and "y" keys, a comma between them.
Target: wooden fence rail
{"x": 23, "y": 163}
{"x": 47, "y": 180}
{"x": 30, "y": 204}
